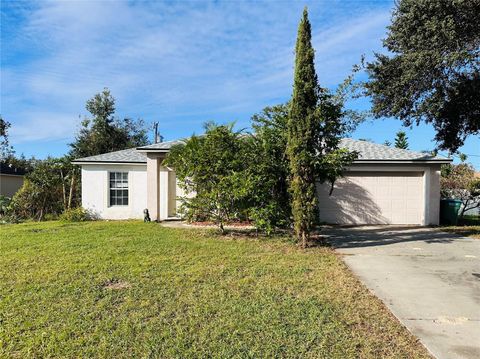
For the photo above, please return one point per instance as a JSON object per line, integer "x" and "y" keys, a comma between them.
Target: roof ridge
{"x": 368, "y": 151}
{"x": 127, "y": 155}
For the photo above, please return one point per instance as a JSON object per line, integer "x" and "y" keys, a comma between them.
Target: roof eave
{"x": 12, "y": 174}
{"x": 438, "y": 161}
{"x": 358, "y": 161}
{"x": 145, "y": 150}
{"x": 108, "y": 163}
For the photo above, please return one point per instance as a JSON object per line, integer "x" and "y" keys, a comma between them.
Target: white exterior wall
{"x": 95, "y": 190}
{"x": 433, "y": 196}
{"x": 153, "y": 185}
{"x": 164, "y": 194}
{"x": 162, "y": 188}
{"x": 169, "y": 193}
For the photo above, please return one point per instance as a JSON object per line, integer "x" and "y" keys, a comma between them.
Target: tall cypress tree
{"x": 302, "y": 133}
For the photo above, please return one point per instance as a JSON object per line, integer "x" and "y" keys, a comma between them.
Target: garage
{"x": 374, "y": 198}
{"x": 384, "y": 185}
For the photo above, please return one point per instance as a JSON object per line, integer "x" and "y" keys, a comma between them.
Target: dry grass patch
{"x": 116, "y": 284}
{"x": 465, "y": 231}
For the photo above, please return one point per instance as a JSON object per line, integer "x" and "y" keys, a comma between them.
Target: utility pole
{"x": 157, "y": 137}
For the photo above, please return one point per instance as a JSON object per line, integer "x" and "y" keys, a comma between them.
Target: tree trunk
{"x": 70, "y": 195}
{"x": 464, "y": 208}
{"x": 64, "y": 191}
{"x": 42, "y": 210}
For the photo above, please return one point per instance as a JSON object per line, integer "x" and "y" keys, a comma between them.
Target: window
{"x": 118, "y": 188}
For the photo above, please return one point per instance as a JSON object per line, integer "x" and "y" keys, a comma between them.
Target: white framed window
{"x": 118, "y": 188}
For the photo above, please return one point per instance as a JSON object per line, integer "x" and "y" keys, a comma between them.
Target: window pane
{"x": 118, "y": 188}
{"x": 113, "y": 198}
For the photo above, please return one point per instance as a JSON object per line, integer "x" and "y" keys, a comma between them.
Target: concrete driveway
{"x": 429, "y": 279}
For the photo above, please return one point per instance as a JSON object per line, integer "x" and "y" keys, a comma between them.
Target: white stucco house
{"x": 383, "y": 186}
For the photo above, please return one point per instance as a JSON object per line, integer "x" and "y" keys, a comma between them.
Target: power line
{"x": 451, "y": 155}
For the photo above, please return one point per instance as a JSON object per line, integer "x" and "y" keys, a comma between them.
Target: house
{"x": 474, "y": 211}
{"x": 11, "y": 179}
{"x": 383, "y": 186}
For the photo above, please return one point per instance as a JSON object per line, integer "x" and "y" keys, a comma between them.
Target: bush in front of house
{"x": 49, "y": 188}
{"x": 4, "y": 203}
{"x": 213, "y": 167}
{"x": 6, "y": 216}
{"x": 78, "y": 214}
{"x": 235, "y": 176}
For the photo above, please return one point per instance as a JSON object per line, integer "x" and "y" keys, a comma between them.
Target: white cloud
{"x": 41, "y": 126}
{"x": 171, "y": 61}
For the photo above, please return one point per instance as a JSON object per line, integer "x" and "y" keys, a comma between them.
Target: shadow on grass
{"x": 465, "y": 231}
{"x": 469, "y": 220}
{"x": 284, "y": 235}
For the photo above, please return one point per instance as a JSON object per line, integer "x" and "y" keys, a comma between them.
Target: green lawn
{"x": 129, "y": 289}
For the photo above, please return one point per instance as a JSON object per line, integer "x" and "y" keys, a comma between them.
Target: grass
{"x": 468, "y": 226}
{"x": 466, "y": 231}
{"x": 133, "y": 289}
{"x": 469, "y": 220}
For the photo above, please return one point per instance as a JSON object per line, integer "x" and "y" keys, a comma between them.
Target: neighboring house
{"x": 474, "y": 211}
{"x": 11, "y": 179}
{"x": 383, "y": 186}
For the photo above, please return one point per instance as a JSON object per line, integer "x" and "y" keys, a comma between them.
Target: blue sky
{"x": 179, "y": 63}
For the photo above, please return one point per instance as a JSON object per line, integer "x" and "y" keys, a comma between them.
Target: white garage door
{"x": 374, "y": 198}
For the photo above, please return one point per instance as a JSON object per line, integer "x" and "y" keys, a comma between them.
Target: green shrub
{"x": 9, "y": 219}
{"x": 4, "y": 203}
{"x": 32, "y": 201}
{"x": 50, "y": 217}
{"x": 268, "y": 218}
{"x": 213, "y": 167}
{"x": 78, "y": 214}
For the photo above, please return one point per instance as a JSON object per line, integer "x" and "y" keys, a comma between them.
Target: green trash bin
{"x": 449, "y": 211}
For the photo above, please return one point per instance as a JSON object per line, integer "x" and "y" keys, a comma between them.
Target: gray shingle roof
{"x": 161, "y": 145}
{"x": 368, "y": 151}
{"x": 9, "y": 169}
{"x": 128, "y": 156}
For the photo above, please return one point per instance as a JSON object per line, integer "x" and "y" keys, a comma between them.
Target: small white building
{"x": 383, "y": 186}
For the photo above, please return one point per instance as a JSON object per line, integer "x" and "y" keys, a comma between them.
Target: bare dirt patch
{"x": 116, "y": 284}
